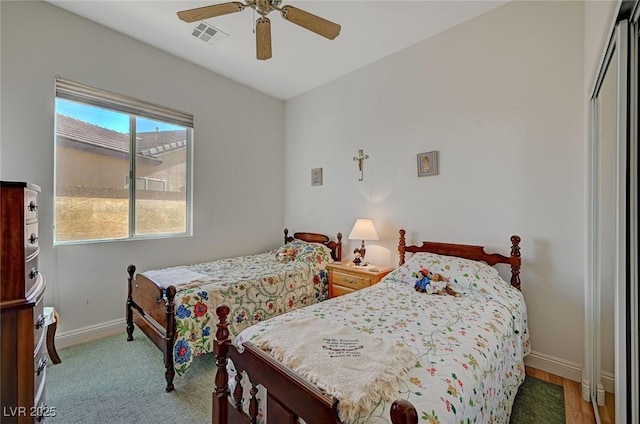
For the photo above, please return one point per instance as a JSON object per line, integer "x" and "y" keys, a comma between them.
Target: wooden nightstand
{"x": 345, "y": 277}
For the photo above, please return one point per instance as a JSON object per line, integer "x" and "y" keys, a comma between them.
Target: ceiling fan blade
{"x": 263, "y": 38}
{"x": 207, "y": 12}
{"x": 311, "y": 22}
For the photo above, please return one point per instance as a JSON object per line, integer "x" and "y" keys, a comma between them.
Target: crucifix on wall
{"x": 360, "y": 158}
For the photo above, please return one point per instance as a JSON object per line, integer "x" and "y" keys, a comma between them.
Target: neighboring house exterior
{"x": 93, "y": 161}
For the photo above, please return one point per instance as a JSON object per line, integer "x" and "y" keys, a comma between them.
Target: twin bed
{"x": 175, "y": 306}
{"x": 385, "y": 354}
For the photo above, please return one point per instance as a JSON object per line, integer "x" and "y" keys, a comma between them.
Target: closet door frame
{"x": 620, "y": 278}
{"x": 633, "y": 330}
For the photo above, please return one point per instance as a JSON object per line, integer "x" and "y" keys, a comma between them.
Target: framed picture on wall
{"x": 316, "y": 177}
{"x": 428, "y": 164}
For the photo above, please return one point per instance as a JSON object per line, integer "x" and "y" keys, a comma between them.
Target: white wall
{"x": 501, "y": 97}
{"x": 238, "y": 162}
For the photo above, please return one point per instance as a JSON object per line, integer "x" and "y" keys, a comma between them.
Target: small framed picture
{"x": 316, "y": 177}
{"x": 428, "y": 164}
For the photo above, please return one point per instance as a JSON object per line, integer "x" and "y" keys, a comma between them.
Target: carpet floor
{"x": 112, "y": 381}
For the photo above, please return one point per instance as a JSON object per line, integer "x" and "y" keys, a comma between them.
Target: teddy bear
{"x": 443, "y": 287}
{"x": 285, "y": 255}
{"x": 433, "y": 283}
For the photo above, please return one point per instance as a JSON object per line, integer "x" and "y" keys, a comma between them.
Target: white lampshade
{"x": 363, "y": 229}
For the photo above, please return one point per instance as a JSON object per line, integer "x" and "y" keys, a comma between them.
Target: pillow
{"x": 312, "y": 253}
{"x": 465, "y": 275}
{"x": 302, "y": 251}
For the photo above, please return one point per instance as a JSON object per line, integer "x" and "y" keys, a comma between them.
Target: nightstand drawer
{"x": 354, "y": 282}
{"x": 344, "y": 277}
{"x": 337, "y": 290}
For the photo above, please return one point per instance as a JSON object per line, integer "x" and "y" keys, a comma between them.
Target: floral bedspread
{"x": 255, "y": 287}
{"x": 470, "y": 348}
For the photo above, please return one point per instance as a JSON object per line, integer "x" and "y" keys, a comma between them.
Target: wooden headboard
{"x": 336, "y": 247}
{"x": 475, "y": 253}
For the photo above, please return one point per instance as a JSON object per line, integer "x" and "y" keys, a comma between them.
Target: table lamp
{"x": 363, "y": 230}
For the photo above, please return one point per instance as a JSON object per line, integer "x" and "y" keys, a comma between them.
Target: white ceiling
{"x": 301, "y": 59}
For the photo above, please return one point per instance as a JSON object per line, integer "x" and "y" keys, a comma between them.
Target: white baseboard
{"x": 553, "y": 365}
{"x": 607, "y": 384}
{"x": 89, "y": 333}
{"x": 608, "y": 381}
{"x": 585, "y": 386}
{"x": 569, "y": 370}
{"x": 600, "y": 395}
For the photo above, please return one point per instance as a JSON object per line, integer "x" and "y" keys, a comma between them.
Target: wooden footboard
{"x": 289, "y": 396}
{"x": 152, "y": 309}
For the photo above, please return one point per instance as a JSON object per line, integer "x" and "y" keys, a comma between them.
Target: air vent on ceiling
{"x": 208, "y": 33}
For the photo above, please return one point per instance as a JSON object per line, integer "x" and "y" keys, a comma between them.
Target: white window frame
{"x": 81, "y": 93}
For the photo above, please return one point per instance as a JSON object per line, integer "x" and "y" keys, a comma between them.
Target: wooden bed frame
{"x": 289, "y": 396}
{"x": 152, "y": 307}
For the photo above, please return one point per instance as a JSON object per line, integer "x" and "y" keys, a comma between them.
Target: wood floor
{"x": 577, "y": 410}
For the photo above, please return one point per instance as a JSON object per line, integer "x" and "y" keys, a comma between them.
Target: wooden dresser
{"x": 23, "y": 343}
{"x": 345, "y": 277}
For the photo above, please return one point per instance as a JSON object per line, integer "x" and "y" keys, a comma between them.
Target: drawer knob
{"x": 33, "y": 273}
{"x": 39, "y": 322}
{"x": 33, "y": 239}
{"x": 33, "y": 206}
{"x": 42, "y": 363}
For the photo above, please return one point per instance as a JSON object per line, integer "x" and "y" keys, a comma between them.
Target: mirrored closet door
{"x": 606, "y": 123}
{"x": 611, "y": 360}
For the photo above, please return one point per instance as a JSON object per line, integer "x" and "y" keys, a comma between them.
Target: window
{"x": 95, "y": 134}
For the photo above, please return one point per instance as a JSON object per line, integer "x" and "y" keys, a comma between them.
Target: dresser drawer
{"x": 30, "y": 205}
{"x": 40, "y": 374}
{"x": 31, "y": 274}
{"x": 354, "y": 282}
{"x": 42, "y": 411}
{"x": 39, "y": 333}
{"x": 31, "y": 240}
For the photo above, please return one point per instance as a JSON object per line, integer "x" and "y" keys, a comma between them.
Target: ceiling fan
{"x": 306, "y": 20}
